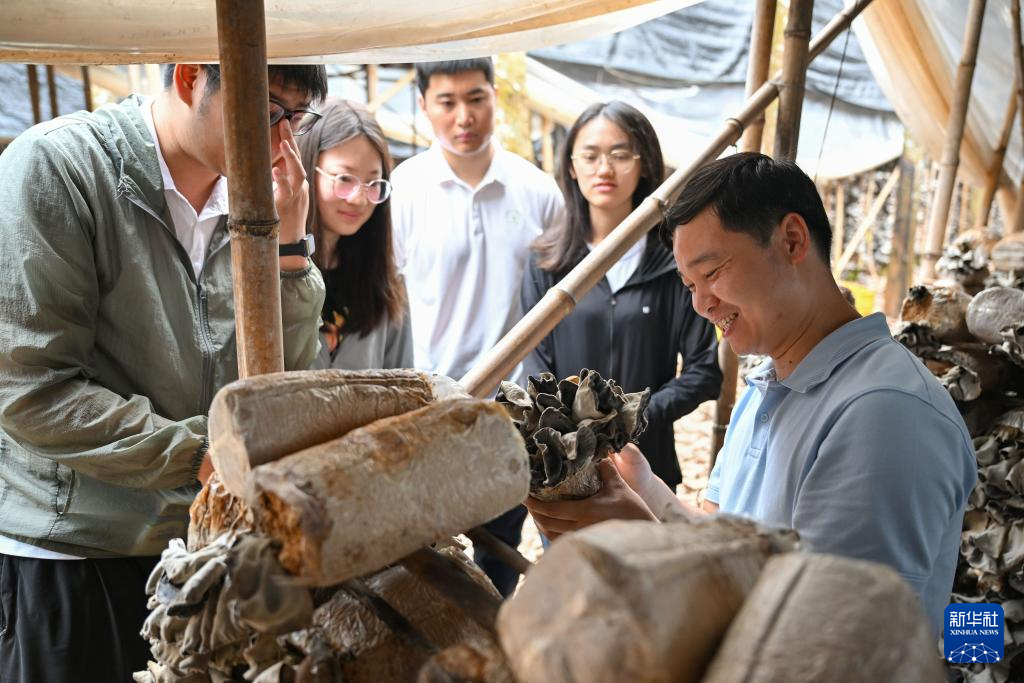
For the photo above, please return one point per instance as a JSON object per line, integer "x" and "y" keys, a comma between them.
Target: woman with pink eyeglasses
{"x": 365, "y": 315}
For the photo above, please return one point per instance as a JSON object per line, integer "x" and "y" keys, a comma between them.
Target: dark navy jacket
{"x": 635, "y": 337}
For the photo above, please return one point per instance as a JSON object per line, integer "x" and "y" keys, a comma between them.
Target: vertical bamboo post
{"x": 51, "y": 86}
{"x": 988, "y": 193}
{"x": 547, "y": 144}
{"x": 87, "y": 88}
{"x": 33, "y": 92}
{"x": 761, "y": 32}
{"x": 954, "y": 135}
{"x": 897, "y": 279}
{"x": 839, "y": 229}
{"x": 794, "y": 75}
{"x": 253, "y": 221}
{"x": 372, "y": 82}
{"x": 1018, "y": 61}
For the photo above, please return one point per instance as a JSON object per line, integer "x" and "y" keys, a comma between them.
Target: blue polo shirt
{"x": 862, "y": 451}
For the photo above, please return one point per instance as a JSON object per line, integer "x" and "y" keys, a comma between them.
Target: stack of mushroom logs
{"x": 325, "y": 553}
{"x": 969, "y": 331}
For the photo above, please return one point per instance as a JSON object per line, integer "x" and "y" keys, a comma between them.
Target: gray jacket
{"x": 110, "y": 349}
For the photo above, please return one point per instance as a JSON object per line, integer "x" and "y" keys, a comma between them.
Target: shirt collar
{"x": 496, "y": 172}
{"x": 823, "y": 359}
{"x": 218, "y": 201}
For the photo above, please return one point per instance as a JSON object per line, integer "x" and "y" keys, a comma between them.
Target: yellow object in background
{"x": 863, "y": 297}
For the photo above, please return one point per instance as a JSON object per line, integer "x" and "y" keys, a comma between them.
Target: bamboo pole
{"x": 560, "y": 300}
{"x": 897, "y": 278}
{"x": 794, "y": 75}
{"x": 372, "y": 82}
{"x": 761, "y": 33}
{"x": 547, "y": 144}
{"x": 839, "y": 229}
{"x": 865, "y": 224}
{"x": 51, "y": 86}
{"x": 87, "y": 88}
{"x": 954, "y": 135}
{"x": 253, "y": 222}
{"x": 33, "y": 92}
{"x": 396, "y": 87}
{"x": 1018, "y": 61}
{"x": 988, "y": 193}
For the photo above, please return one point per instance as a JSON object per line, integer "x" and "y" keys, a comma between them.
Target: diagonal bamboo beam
{"x": 253, "y": 222}
{"x": 954, "y": 134}
{"x": 865, "y": 224}
{"x": 560, "y": 300}
{"x": 996, "y": 169}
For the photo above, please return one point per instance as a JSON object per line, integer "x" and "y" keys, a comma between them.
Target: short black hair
{"x": 311, "y": 79}
{"x": 425, "y": 70}
{"x": 751, "y": 193}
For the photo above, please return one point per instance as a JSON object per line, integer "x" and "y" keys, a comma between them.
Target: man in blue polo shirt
{"x": 842, "y": 434}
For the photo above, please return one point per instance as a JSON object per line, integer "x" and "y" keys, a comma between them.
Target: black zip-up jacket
{"x": 634, "y": 336}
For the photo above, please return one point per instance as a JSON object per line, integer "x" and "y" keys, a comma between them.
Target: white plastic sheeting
{"x": 352, "y": 31}
{"x": 914, "y": 47}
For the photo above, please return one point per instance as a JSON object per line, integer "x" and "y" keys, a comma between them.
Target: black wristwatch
{"x": 304, "y": 247}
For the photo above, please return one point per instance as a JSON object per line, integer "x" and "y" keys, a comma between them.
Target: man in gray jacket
{"x": 116, "y": 329}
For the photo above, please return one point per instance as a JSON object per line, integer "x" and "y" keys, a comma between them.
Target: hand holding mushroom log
{"x": 569, "y": 426}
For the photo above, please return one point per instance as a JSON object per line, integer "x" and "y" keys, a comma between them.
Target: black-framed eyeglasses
{"x": 300, "y": 120}
{"x": 346, "y": 186}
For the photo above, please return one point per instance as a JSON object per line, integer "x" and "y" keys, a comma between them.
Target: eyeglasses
{"x": 347, "y": 186}
{"x": 619, "y": 160}
{"x": 300, "y": 120}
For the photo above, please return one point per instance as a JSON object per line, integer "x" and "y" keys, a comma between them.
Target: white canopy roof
{"x": 355, "y": 31}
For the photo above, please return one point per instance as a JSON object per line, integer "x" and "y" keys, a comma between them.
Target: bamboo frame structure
{"x": 560, "y": 300}
{"x": 51, "y": 86}
{"x": 33, "y": 92}
{"x": 761, "y": 34}
{"x": 865, "y": 225}
{"x": 87, "y": 88}
{"x": 794, "y": 76}
{"x": 898, "y": 276}
{"x": 253, "y": 222}
{"x": 1018, "y": 61}
{"x": 954, "y": 135}
{"x": 988, "y": 193}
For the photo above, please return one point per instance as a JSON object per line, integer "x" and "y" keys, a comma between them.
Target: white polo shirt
{"x": 463, "y": 250}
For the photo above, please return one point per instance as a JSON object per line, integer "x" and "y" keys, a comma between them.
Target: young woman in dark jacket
{"x": 634, "y": 325}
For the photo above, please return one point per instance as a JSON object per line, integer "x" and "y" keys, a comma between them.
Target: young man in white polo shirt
{"x": 465, "y": 212}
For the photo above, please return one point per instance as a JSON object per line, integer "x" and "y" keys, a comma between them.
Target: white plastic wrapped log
{"x": 815, "y": 618}
{"x": 260, "y": 419}
{"x": 632, "y": 601}
{"x": 356, "y": 504}
{"x": 993, "y": 310}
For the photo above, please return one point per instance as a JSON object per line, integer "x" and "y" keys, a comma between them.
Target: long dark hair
{"x": 363, "y": 279}
{"x": 559, "y": 249}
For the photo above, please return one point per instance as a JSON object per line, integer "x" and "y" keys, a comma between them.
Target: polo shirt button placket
{"x": 764, "y": 417}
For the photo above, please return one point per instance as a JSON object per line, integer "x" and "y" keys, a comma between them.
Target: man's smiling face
{"x": 737, "y": 283}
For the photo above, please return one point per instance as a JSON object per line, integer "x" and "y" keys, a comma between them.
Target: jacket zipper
{"x": 207, "y": 350}
{"x": 206, "y": 345}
